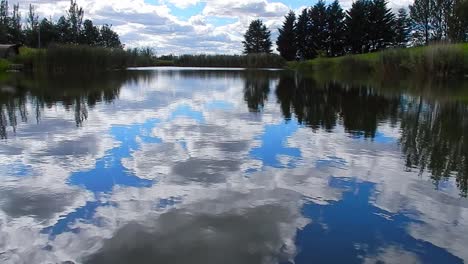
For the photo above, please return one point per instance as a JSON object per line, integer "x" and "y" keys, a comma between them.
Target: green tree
{"x": 305, "y": 44}
{"x": 63, "y": 30}
{"x": 458, "y": 23}
{"x": 336, "y": 29}
{"x": 32, "y": 27}
{"x": 357, "y": 24}
{"x": 319, "y": 29}
{"x": 381, "y": 25}
{"x": 402, "y": 28}
{"x": 15, "y": 30}
{"x": 4, "y": 20}
{"x": 287, "y": 38}
{"x": 49, "y": 32}
{"x": 257, "y": 38}
{"x": 420, "y": 15}
{"x": 90, "y": 34}
{"x": 109, "y": 38}
{"x": 75, "y": 17}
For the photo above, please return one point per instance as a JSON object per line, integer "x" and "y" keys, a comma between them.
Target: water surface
{"x": 231, "y": 166}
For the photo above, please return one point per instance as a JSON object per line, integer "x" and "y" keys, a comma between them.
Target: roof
{"x": 7, "y": 46}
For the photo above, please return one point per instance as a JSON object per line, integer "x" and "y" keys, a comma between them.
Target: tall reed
{"x": 239, "y": 61}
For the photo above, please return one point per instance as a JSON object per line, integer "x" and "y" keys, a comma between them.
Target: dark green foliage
{"x": 357, "y": 25}
{"x": 235, "y": 61}
{"x": 287, "y": 38}
{"x": 420, "y": 13}
{"x": 90, "y": 34}
{"x": 108, "y": 38}
{"x": 257, "y": 38}
{"x": 402, "y": 28}
{"x": 305, "y": 44}
{"x": 381, "y": 25}
{"x": 336, "y": 29}
{"x": 49, "y": 33}
{"x": 370, "y": 26}
{"x": 75, "y": 19}
{"x": 318, "y": 27}
{"x": 458, "y": 23}
{"x": 69, "y": 29}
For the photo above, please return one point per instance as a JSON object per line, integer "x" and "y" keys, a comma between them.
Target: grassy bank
{"x": 439, "y": 61}
{"x": 231, "y": 61}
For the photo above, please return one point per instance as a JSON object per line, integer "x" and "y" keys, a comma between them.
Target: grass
{"x": 439, "y": 61}
{"x": 4, "y": 65}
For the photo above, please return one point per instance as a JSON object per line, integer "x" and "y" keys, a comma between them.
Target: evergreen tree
{"x": 380, "y": 25}
{"x": 402, "y": 28}
{"x": 357, "y": 25}
{"x": 318, "y": 29}
{"x": 287, "y": 38}
{"x": 305, "y": 44}
{"x": 257, "y": 38}
{"x": 336, "y": 29}
{"x": 420, "y": 14}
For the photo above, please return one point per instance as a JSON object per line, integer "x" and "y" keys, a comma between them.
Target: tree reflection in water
{"x": 433, "y": 132}
{"x": 74, "y": 93}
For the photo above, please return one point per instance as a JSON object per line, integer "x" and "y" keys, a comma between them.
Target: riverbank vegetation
{"x": 370, "y": 37}
{"x": 438, "y": 60}
{"x": 258, "y": 60}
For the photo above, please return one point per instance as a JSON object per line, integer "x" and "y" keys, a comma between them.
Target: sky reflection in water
{"x": 218, "y": 166}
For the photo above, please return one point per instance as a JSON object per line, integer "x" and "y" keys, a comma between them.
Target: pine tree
{"x": 381, "y": 24}
{"x": 357, "y": 24}
{"x": 402, "y": 28}
{"x": 287, "y": 38}
{"x": 257, "y": 38}
{"x": 336, "y": 29}
{"x": 319, "y": 29}
{"x": 305, "y": 44}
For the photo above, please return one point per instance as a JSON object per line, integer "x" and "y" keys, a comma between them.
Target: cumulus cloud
{"x": 140, "y": 23}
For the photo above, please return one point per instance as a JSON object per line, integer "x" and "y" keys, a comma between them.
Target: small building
{"x": 9, "y": 50}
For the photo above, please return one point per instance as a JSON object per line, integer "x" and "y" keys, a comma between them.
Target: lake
{"x": 173, "y": 165}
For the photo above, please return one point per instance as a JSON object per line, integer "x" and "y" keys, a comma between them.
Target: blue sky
{"x": 182, "y": 26}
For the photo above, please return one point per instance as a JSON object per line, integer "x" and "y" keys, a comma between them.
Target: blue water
{"x": 178, "y": 175}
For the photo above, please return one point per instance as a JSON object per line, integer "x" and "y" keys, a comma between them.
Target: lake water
{"x": 230, "y": 166}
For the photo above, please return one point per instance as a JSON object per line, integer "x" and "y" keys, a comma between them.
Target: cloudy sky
{"x": 183, "y": 26}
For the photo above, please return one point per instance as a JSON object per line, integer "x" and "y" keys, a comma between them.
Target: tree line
{"x": 368, "y": 26}
{"x": 68, "y": 29}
